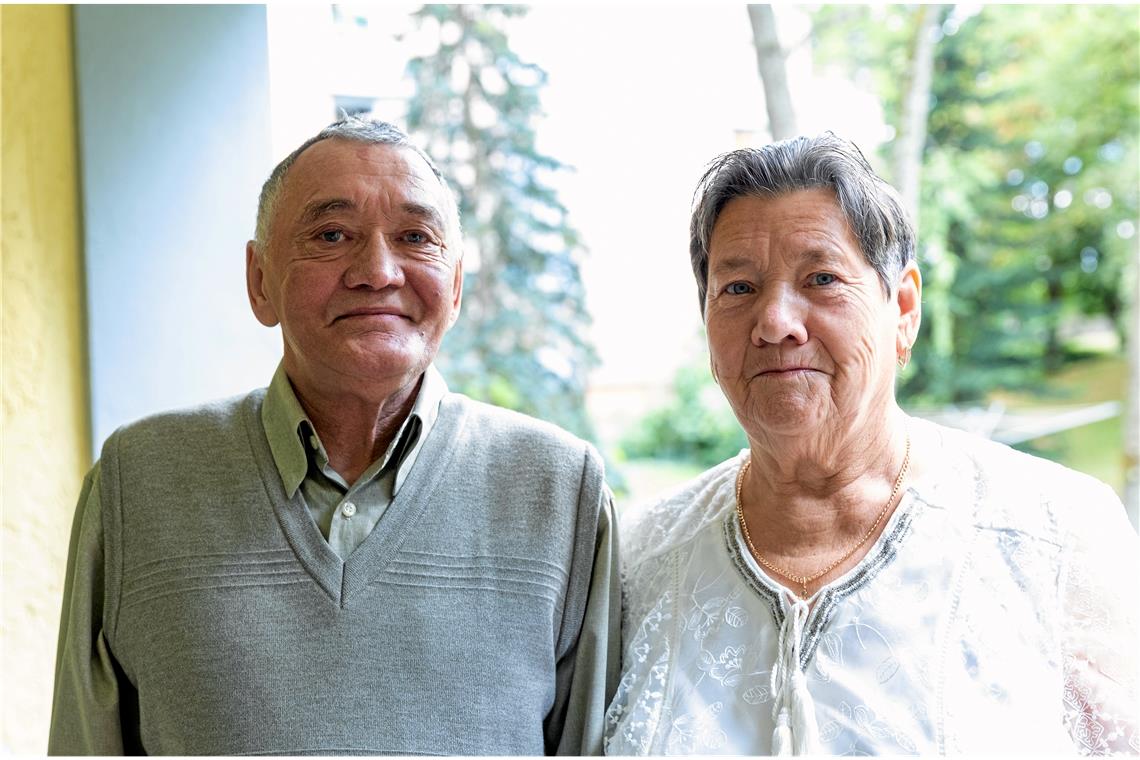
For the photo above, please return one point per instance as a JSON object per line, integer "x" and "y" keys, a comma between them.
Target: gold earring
{"x": 904, "y": 358}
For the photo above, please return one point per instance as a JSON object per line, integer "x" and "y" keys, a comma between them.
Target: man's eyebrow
{"x": 429, "y": 214}
{"x": 317, "y": 209}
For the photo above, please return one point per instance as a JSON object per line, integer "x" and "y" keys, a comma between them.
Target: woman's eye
{"x": 738, "y": 289}
{"x": 823, "y": 278}
{"x": 331, "y": 236}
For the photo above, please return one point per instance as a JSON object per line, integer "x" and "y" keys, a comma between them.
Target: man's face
{"x": 356, "y": 268}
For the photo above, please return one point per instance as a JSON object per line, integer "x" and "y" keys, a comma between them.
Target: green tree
{"x": 696, "y": 425}
{"x": 519, "y": 342}
{"x": 1029, "y": 191}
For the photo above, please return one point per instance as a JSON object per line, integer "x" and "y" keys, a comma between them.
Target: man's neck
{"x": 356, "y": 431}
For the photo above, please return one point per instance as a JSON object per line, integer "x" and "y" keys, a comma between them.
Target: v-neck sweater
{"x": 204, "y": 612}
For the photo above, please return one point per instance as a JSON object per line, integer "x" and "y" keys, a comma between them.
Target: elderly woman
{"x": 859, "y": 581}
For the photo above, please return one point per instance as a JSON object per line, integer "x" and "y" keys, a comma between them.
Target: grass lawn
{"x": 1096, "y": 449}
{"x": 1089, "y": 381}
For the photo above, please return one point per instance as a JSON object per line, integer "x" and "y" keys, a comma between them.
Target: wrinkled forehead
{"x": 796, "y": 214}
{"x": 366, "y": 173}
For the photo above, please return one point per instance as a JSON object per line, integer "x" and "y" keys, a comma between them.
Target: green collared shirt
{"x": 345, "y": 513}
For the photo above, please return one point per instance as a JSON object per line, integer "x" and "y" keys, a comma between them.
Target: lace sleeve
{"x": 653, "y": 528}
{"x": 1099, "y": 636}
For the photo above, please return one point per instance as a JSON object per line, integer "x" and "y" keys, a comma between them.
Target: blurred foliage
{"x": 696, "y": 425}
{"x": 1030, "y": 181}
{"x": 519, "y": 341}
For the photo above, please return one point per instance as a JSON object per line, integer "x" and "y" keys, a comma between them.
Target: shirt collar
{"x": 288, "y": 428}
{"x": 425, "y": 411}
{"x": 282, "y": 415}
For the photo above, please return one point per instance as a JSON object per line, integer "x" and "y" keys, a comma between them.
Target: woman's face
{"x": 803, "y": 340}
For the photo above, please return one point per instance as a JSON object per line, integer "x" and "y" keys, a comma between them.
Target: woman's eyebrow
{"x": 733, "y": 262}
{"x": 821, "y": 256}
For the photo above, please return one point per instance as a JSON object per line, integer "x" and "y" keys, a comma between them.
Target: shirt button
{"x": 348, "y": 509}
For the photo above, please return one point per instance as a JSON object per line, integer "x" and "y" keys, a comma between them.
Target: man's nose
{"x": 375, "y": 265}
{"x": 780, "y": 317}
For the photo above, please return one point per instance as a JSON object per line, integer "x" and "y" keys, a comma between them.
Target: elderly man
{"x": 353, "y": 560}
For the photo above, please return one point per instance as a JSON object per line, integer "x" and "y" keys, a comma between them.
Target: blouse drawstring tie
{"x": 793, "y": 709}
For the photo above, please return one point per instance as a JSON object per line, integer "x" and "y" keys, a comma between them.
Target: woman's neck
{"x": 810, "y": 499}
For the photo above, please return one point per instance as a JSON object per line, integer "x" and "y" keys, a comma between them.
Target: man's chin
{"x": 384, "y": 358}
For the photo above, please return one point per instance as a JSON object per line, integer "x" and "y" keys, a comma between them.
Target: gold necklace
{"x": 804, "y": 580}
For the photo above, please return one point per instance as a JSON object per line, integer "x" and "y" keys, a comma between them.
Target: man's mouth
{"x": 378, "y": 312}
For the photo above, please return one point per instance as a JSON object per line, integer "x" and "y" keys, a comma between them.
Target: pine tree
{"x": 519, "y": 341}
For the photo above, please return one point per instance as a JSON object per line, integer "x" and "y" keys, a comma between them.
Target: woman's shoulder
{"x": 1008, "y": 489}
{"x": 652, "y": 528}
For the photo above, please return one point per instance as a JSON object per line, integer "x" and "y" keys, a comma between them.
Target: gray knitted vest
{"x": 241, "y": 631}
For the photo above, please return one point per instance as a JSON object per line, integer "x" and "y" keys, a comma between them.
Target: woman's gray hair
{"x": 356, "y": 129}
{"x": 871, "y": 206}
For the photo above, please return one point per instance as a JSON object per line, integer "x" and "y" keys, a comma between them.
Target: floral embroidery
{"x": 726, "y": 667}
{"x": 697, "y": 733}
{"x": 757, "y": 695}
{"x": 737, "y": 617}
{"x": 630, "y": 724}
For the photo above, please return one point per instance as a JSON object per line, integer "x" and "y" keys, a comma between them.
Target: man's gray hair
{"x": 871, "y": 206}
{"x": 356, "y": 129}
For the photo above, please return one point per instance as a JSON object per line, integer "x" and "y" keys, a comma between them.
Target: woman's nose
{"x": 780, "y": 317}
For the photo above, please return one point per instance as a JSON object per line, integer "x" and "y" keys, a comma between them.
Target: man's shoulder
{"x": 526, "y": 472}
{"x": 495, "y": 425}
{"x": 185, "y": 428}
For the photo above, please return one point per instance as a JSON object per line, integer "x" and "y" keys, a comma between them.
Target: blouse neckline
{"x": 826, "y": 600}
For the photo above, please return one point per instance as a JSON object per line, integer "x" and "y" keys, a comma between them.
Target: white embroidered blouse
{"x": 997, "y": 612}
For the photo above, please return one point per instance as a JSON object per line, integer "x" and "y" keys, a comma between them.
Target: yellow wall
{"x": 45, "y": 413}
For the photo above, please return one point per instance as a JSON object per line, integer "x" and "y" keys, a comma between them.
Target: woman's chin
{"x": 782, "y": 418}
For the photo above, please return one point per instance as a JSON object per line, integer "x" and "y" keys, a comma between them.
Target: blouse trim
{"x": 881, "y": 555}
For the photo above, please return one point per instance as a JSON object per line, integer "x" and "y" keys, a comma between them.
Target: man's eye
{"x": 823, "y": 278}
{"x": 331, "y": 236}
{"x": 416, "y": 238}
{"x": 738, "y": 289}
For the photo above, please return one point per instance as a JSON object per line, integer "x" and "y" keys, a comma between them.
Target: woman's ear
{"x": 908, "y": 296}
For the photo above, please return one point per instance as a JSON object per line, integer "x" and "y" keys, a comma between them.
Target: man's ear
{"x": 255, "y": 286}
{"x": 908, "y": 296}
{"x": 457, "y": 292}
